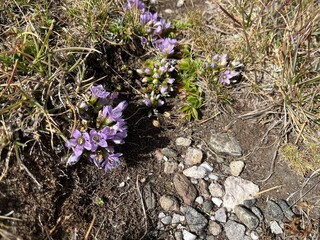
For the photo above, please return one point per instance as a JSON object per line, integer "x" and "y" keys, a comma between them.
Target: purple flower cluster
{"x": 219, "y": 66}
{"x": 98, "y": 142}
{"x": 137, "y": 4}
{"x": 157, "y": 81}
{"x": 156, "y": 28}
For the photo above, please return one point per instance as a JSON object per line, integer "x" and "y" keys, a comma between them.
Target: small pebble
{"x": 181, "y": 141}
{"x": 214, "y": 228}
{"x": 254, "y": 235}
{"x": 199, "y": 200}
{"x": 216, "y": 201}
{"x": 168, "y": 11}
{"x": 166, "y": 220}
{"x": 236, "y": 168}
{"x": 213, "y": 176}
{"x": 122, "y": 184}
{"x": 180, "y": 3}
{"x": 188, "y": 235}
{"x": 206, "y": 166}
{"x": 161, "y": 215}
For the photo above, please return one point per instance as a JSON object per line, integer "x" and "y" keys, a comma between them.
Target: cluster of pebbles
{"x": 209, "y": 205}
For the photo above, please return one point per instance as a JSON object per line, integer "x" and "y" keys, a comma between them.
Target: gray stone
{"x": 195, "y": 172}
{"x": 237, "y": 190}
{"x": 234, "y": 230}
{"x": 181, "y": 141}
{"x": 221, "y": 215}
{"x": 193, "y": 156}
{"x": 285, "y": 208}
{"x": 184, "y": 188}
{"x": 203, "y": 188}
{"x": 247, "y": 217}
{"x": 216, "y": 190}
{"x": 207, "y": 206}
{"x": 214, "y": 228}
{"x": 196, "y": 221}
{"x": 176, "y": 218}
{"x": 273, "y": 211}
{"x": 178, "y": 235}
{"x": 169, "y": 152}
{"x": 149, "y": 197}
{"x": 166, "y": 220}
{"x": 169, "y": 203}
{"x": 210, "y": 237}
{"x": 258, "y": 213}
{"x": 236, "y": 168}
{"x": 223, "y": 143}
{"x": 207, "y": 166}
{"x": 275, "y": 227}
{"x": 249, "y": 203}
{"x": 170, "y": 167}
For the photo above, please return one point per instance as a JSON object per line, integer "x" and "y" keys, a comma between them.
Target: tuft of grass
{"x": 302, "y": 161}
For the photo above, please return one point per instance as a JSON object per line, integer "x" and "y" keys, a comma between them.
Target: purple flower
{"x": 214, "y": 65}
{"x": 118, "y": 138}
{"x": 147, "y": 17}
{"x": 73, "y": 159}
{"x": 215, "y": 57}
{"x": 166, "y": 45}
{"x": 143, "y": 41}
{"x": 134, "y": 4}
{"x": 114, "y": 114}
{"x": 147, "y": 71}
{"x": 98, "y": 139}
{"x": 147, "y": 102}
{"x": 108, "y": 132}
{"x": 99, "y": 92}
{"x": 163, "y": 89}
{"x": 160, "y": 26}
{"x": 79, "y": 142}
{"x": 170, "y": 80}
{"x": 224, "y": 60}
{"x": 111, "y": 162}
{"x": 225, "y": 76}
{"x": 120, "y": 126}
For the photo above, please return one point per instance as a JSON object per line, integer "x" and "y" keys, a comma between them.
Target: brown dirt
{"x": 70, "y": 199}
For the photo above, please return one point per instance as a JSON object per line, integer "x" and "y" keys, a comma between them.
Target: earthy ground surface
{"x": 68, "y": 203}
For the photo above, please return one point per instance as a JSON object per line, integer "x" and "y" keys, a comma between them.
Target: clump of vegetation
{"x": 302, "y": 160}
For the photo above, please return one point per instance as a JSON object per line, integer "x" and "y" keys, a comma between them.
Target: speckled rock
{"x": 181, "y": 141}
{"x": 234, "y": 230}
{"x": 193, "y": 156}
{"x": 236, "y": 167}
{"x": 223, "y": 143}
{"x": 196, "y": 221}
{"x": 169, "y": 203}
{"x": 247, "y": 217}
{"x": 214, "y": 228}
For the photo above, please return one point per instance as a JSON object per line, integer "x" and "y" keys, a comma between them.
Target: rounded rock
{"x": 236, "y": 167}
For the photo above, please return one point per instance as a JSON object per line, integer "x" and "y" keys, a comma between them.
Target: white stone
{"x": 194, "y": 181}
{"x": 195, "y": 172}
{"x": 275, "y": 228}
{"x": 217, "y": 201}
{"x": 214, "y": 228}
{"x": 216, "y": 190}
{"x": 188, "y": 235}
{"x": 180, "y": 3}
{"x": 254, "y": 235}
{"x": 161, "y": 215}
{"x": 236, "y": 168}
{"x": 122, "y": 184}
{"x": 181, "y": 141}
{"x": 213, "y": 176}
{"x": 207, "y": 166}
{"x": 168, "y": 11}
{"x": 182, "y": 218}
{"x": 237, "y": 190}
{"x": 199, "y": 200}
